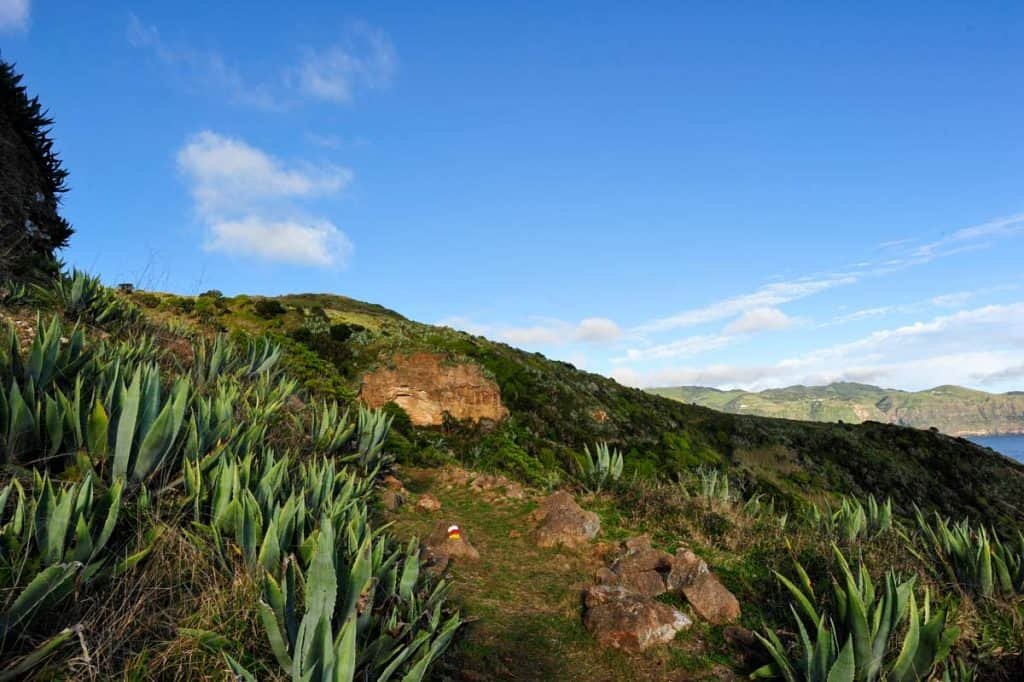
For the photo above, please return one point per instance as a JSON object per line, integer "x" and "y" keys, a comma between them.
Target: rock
{"x": 428, "y": 503}
{"x": 635, "y": 544}
{"x": 392, "y": 499}
{"x": 429, "y": 386}
{"x": 746, "y": 645}
{"x": 445, "y": 542}
{"x": 643, "y": 560}
{"x": 513, "y": 533}
{"x": 562, "y": 522}
{"x": 708, "y": 597}
{"x": 514, "y": 491}
{"x": 626, "y": 620}
{"x": 647, "y": 583}
{"x": 391, "y": 482}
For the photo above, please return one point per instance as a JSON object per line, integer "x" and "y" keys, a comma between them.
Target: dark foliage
{"x": 31, "y": 182}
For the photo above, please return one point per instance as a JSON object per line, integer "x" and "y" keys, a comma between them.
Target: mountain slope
{"x": 556, "y": 409}
{"x": 954, "y": 410}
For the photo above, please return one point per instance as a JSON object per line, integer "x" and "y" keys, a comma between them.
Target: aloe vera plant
{"x": 884, "y": 634}
{"x": 597, "y": 469}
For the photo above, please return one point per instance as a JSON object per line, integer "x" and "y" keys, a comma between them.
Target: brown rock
{"x": 391, "y": 482}
{"x": 562, "y": 522}
{"x": 428, "y": 503}
{"x": 648, "y": 583}
{"x": 636, "y": 543}
{"x": 514, "y": 491}
{"x": 392, "y": 499}
{"x": 708, "y": 597}
{"x": 643, "y": 560}
{"x": 513, "y": 533}
{"x": 626, "y": 620}
{"x": 427, "y": 386}
{"x": 441, "y": 543}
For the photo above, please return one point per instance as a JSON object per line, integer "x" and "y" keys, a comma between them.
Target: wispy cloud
{"x": 364, "y": 59}
{"x": 14, "y": 15}
{"x": 246, "y": 199}
{"x": 969, "y": 237}
{"x": 546, "y": 333}
{"x": 206, "y": 69}
{"x": 760, "y": 320}
{"x": 768, "y": 296}
{"x": 960, "y": 348}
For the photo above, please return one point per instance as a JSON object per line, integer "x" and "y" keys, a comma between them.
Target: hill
{"x": 953, "y": 410}
{"x": 344, "y": 347}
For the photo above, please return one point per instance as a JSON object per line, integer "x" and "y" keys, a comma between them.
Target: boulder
{"x": 562, "y": 522}
{"x": 635, "y": 544}
{"x": 428, "y": 503}
{"x": 708, "y": 597}
{"x": 623, "y": 619}
{"x": 642, "y": 560}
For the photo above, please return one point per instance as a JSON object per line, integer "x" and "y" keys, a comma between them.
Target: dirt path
{"x": 523, "y": 605}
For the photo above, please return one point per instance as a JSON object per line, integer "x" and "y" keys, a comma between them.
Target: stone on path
{"x": 428, "y": 503}
{"x": 708, "y": 597}
{"x": 623, "y": 619}
{"x": 563, "y": 522}
{"x": 447, "y": 541}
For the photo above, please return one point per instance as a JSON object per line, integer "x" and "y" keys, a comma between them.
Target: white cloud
{"x": 967, "y": 238}
{"x": 317, "y": 243}
{"x": 204, "y": 68}
{"x": 365, "y": 60}
{"x": 983, "y": 344}
{"x": 759, "y": 320}
{"x": 226, "y": 175}
{"x": 14, "y": 15}
{"x": 767, "y": 296}
{"x": 245, "y": 197}
{"x": 548, "y": 332}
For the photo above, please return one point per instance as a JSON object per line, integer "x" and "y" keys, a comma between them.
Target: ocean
{"x": 1011, "y": 446}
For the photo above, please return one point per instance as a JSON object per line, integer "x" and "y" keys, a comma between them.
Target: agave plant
{"x": 597, "y": 469}
{"x": 55, "y": 353}
{"x": 83, "y": 296}
{"x": 884, "y": 635}
{"x": 971, "y": 557}
{"x": 212, "y": 360}
{"x": 852, "y": 520}
{"x": 342, "y": 603}
{"x": 329, "y": 430}
{"x": 148, "y": 423}
{"x": 14, "y": 294}
{"x": 372, "y": 427}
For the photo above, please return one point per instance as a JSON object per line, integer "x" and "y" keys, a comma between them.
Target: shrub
{"x": 602, "y": 467}
{"x": 268, "y": 308}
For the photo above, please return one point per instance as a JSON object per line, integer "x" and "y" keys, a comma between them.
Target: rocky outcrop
{"x": 624, "y": 619}
{"x": 563, "y": 522}
{"x": 427, "y": 386}
{"x": 428, "y": 503}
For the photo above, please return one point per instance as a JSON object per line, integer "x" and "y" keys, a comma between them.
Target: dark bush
{"x": 268, "y": 308}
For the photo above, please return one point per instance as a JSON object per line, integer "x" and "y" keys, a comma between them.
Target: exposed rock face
{"x": 427, "y": 387}
{"x": 708, "y": 597}
{"x": 563, "y": 522}
{"x": 620, "y": 618}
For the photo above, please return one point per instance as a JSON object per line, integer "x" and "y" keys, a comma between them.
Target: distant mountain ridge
{"x": 954, "y": 410}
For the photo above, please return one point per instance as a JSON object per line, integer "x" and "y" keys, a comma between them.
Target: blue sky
{"x": 751, "y": 195}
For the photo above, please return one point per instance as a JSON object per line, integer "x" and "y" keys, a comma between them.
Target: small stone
{"x": 643, "y": 560}
{"x": 448, "y": 540}
{"x": 428, "y": 503}
{"x": 391, "y": 482}
{"x": 392, "y": 499}
{"x": 514, "y": 533}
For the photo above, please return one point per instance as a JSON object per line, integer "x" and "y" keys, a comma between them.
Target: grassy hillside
{"x": 556, "y": 409}
{"x": 954, "y": 410}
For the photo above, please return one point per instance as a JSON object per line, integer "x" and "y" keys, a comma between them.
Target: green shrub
{"x": 268, "y": 308}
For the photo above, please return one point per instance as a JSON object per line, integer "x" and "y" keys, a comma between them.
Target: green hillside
{"x": 953, "y": 410}
{"x": 556, "y": 409}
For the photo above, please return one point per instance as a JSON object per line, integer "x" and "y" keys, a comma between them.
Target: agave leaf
{"x": 126, "y": 426}
{"x": 844, "y": 668}
{"x": 96, "y": 432}
{"x": 49, "y": 585}
{"x": 903, "y": 668}
{"x": 20, "y": 668}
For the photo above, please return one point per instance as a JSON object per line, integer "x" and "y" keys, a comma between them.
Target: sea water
{"x": 1011, "y": 446}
